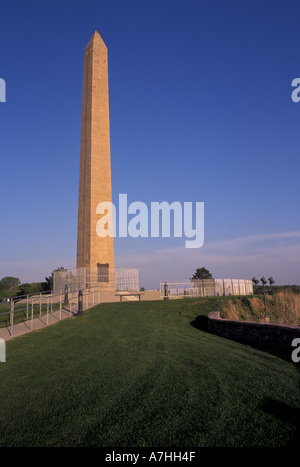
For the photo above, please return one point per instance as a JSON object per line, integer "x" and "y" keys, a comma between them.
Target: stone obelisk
{"x": 94, "y": 253}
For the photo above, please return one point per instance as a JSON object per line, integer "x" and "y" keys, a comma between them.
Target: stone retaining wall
{"x": 273, "y": 336}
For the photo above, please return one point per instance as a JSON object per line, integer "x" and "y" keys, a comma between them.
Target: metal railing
{"x": 107, "y": 278}
{"x": 38, "y": 310}
{"x": 205, "y": 288}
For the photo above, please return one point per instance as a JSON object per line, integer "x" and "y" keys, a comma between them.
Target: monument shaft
{"x": 94, "y": 253}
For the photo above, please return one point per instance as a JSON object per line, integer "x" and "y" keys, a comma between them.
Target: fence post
{"x": 166, "y": 291}
{"x": 80, "y": 307}
{"x": 47, "y": 309}
{"x": 66, "y": 293}
{"x": 31, "y": 313}
{"x": 12, "y": 309}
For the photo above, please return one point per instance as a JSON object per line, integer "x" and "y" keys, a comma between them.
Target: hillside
{"x": 145, "y": 374}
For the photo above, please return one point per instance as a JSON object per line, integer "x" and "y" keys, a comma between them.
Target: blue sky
{"x": 200, "y": 110}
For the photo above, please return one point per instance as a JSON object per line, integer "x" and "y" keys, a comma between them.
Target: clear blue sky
{"x": 200, "y": 110}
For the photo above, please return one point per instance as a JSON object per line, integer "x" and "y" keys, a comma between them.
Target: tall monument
{"x": 94, "y": 253}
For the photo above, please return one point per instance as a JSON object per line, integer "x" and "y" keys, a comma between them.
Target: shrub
{"x": 283, "y": 307}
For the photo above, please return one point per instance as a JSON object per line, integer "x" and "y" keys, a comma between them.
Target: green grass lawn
{"x": 145, "y": 374}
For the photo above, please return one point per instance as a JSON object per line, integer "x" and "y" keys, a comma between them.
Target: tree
{"x": 255, "y": 282}
{"x": 8, "y": 282}
{"x": 202, "y": 273}
{"x": 30, "y": 288}
{"x": 271, "y": 281}
{"x": 263, "y": 281}
{"x": 48, "y": 284}
{"x": 9, "y": 286}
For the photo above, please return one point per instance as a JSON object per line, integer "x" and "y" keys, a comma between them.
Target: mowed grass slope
{"x": 142, "y": 374}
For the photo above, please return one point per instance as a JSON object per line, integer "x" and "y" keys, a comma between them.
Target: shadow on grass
{"x": 287, "y": 414}
{"x": 278, "y": 409}
{"x": 201, "y": 323}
